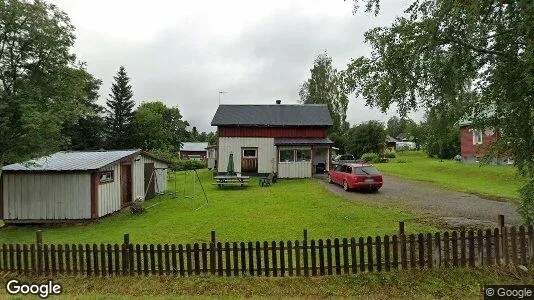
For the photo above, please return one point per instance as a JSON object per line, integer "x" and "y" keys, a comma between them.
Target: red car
{"x": 358, "y": 176}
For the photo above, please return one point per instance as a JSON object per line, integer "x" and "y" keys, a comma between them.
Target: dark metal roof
{"x": 272, "y": 115}
{"x": 64, "y": 161}
{"x": 390, "y": 139}
{"x": 302, "y": 141}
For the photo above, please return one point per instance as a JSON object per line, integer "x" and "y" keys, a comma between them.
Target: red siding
{"x": 287, "y": 132}
{"x": 466, "y": 142}
{"x": 185, "y": 154}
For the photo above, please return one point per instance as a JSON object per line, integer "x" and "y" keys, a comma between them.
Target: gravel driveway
{"x": 455, "y": 208}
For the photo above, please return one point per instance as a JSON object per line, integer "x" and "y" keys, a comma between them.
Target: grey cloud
{"x": 186, "y": 67}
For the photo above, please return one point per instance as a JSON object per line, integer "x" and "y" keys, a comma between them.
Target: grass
{"x": 409, "y": 284}
{"x": 491, "y": 181}
{"x": 278, "y": 212}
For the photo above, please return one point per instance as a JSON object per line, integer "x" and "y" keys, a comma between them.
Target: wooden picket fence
{"x": 293, "y": 258}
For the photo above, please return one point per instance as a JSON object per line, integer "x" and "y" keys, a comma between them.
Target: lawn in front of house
{"x": 278, "y": 212}
{"x": 492, "y": 181}
{"x": 447, "y": 283}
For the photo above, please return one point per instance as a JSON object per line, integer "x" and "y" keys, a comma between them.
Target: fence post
{"x": 305, "y": 234}
{"x": 401, "y": 227}
{"x": 39, "y": 237}
{"x": 501, "y": 237}
{"x": 39, "y": 244}
{"x": 213, "y": 238}
{"x": 125, "y": 254}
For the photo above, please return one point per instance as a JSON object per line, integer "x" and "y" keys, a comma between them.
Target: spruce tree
{"x": 120, "y": 112}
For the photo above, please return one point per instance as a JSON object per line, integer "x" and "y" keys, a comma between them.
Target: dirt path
{"x": 455, "y": 208}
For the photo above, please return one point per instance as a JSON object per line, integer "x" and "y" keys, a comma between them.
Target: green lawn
{"x": 496, "y": 182}
{"x": 278, "y": 212}
{"x": 457, "y": 283}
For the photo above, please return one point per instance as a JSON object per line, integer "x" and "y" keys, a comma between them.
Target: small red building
{"x": 474, "y": 144}
{"x": 194, "y": 151}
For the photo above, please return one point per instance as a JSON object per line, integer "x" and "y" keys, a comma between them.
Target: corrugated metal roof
{"x": 194, "y": 146}
{"x": 272, "y": 115}
{"x": 71, "y": 161}
{"x": 302, "y": 141}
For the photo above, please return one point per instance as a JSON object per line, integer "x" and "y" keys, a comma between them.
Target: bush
{"x": 526, "y": 207}
{"x": 389, "y": 154}
{"x": 181, "y": 165}
{"x": 370, "y": 158}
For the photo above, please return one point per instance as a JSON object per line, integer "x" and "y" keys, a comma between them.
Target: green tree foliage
{"x": 212, "y": 138}
{"x": 455, "y": 54}
{"x": 120, "y": 112}
{"x": 41, "y": 85}
{"x": 325, "y": 86}
{"x": 87, "y": 133}
{"x": 442, "y": 136}
{"x": 365, "y": 137}
{"x": 394, "y": 126}
{"x": 158, "y": 127}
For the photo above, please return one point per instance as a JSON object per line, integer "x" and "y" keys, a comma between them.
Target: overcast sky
{"x": 184, "y": 52}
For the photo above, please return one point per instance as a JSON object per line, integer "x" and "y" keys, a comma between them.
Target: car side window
{"x": 343, "y": 168}
{"x": 338, "y": 168}
{"x": 359, "y": 171}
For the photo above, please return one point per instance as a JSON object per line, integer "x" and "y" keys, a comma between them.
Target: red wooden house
{"x": 474, "y": 144}
{"x": 290, "y": 140}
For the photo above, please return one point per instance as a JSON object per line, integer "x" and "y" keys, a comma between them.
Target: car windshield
{"x": 366, "y": 171}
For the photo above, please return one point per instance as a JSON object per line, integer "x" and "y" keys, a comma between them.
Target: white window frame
{"x": 311, "y": 155}
{"x": 110, "y": 176}
{"x": 286, "y": 162}
{"x": 477, "y": 137}
{"x": 245, "y": 149}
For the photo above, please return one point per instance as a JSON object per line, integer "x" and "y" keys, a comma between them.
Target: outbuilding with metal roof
{"x": 78, "y": 185}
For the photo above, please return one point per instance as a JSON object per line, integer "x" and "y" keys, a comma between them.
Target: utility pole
{"x": 220, "y": 93}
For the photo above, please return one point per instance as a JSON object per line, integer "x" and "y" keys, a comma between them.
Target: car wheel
{"x": 345, "y": 185}
{"x": 329, "y": 179}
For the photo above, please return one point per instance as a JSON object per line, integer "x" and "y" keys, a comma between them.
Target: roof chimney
{"x": 278, "y": 101}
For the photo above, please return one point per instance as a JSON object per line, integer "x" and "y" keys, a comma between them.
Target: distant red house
{"x": 474, "y": 144}
{"x": 194, "y": 151}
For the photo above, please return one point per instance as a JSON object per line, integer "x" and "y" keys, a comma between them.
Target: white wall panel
{"x": 294, "y": 170}
{"x": 47, "y": 196}
{"x": 109, "y": 193}
{"x": 266, "y": 152}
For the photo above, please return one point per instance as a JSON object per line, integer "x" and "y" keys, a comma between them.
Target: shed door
{"x": 150, "y": 181}
{"x": 126, "y": 184}
{"x": 249, "y": 160}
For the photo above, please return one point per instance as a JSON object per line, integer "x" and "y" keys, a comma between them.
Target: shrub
{"x": 389, "y": 154}
{"x": 370, "y": 158}
{"x": 526, "y": 207}
{"x": 181, "y": 165}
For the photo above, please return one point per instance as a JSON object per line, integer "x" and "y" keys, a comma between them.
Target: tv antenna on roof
{"x": 220, "y": 93}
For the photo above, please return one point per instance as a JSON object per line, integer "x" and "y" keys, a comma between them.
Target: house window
{"x": 477, "y": 137}
{"x": 287, "y": 155}
{"x": 249, "y": 153}
{"x": 106, "y": 176}
{"x": 303, "y": 155}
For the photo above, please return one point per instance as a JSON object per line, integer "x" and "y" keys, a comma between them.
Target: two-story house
{"x": 474, "y": 144}
{"x": 290, "y": 140}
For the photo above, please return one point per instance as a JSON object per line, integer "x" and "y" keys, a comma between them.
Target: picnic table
{"x": 222, "y": 180}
